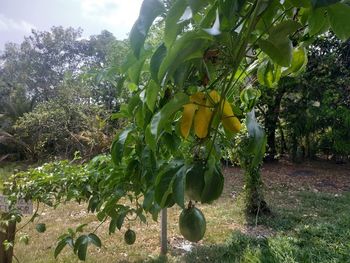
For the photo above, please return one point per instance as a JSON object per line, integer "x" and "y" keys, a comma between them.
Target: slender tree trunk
{"x": 9, "y": 236}
{"x": 163, "y": 234}
{"x": 271, "y": 121}
{"x": 283, "y": 140}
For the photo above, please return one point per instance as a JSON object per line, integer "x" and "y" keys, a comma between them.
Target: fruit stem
{"x": 190, "y": 205}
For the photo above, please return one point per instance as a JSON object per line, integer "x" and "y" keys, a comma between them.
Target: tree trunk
{"x": 255, "y": 203}
{"x": 9, "y": 236}
{"x": 271, "y": 121}
{"x": 163, "y": 234}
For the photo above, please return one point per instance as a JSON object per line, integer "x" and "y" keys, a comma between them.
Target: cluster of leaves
{"x": 61, "y": 128}
{"x": 99, "y": 183}
{"x": 320, "y": 96}
{"x": 57, "y": 78}
{"x": 207, "y": 45}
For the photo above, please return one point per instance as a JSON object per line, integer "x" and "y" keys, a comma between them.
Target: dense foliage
{"x": 189, "y": 97}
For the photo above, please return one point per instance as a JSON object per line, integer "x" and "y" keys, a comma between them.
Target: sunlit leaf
{"x": 150, "y": 10}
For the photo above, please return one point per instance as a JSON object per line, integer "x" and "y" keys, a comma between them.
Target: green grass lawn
{"x": 310, "y": 223}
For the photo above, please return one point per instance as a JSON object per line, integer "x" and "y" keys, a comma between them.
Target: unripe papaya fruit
{"x": 192, "y": 224}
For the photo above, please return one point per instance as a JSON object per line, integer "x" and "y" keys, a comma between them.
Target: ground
{"x": 310, "y": 222}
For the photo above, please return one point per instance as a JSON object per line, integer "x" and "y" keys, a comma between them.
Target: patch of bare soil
{"x": 323, "y": 176}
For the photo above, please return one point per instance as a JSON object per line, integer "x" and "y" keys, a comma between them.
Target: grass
{"x": 306, "y": 226}
{"x": 317, "y": 231}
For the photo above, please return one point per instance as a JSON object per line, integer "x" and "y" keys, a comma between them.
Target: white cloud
{"x": 8, "y": 24}
{"x": 117, "y": 16}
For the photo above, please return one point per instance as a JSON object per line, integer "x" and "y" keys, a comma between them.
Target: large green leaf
{"x": 61, "y": 245}
{"x": 172, "y": 25}
{"x": 118, "y": 145}
{"x": 278, "y": 46}
{"x": 214, "y": 183}
{"x": 165, "y": 114}
{"x": 269, "y": 74}
{"x": 150, "y": 139}
{"x": 156, "y": 61}
{"x": 190, "y": 45}
{"x": 152, "y": 91}
{"x": 317, "y": 21}
{"x": 283, "y": 29}
{"x": 80, "y": 246}
{"x": 164, "y": 183}
{"x": 339, "y": 19}
{"x": 95, "y": 240}
{"x": 323, "y": 3}
{"x": 133, "y": 66}
{"x": 299, "y": 61}
{"x": 179, "y": 187}
{"x": 257, "y": 145}
{"x": 150, "y": 10}
{"x": 280, "y": 52}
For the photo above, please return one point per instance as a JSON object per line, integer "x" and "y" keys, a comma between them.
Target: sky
{"x": 19, "y": 17}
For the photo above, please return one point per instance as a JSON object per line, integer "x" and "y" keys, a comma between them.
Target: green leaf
{"x": 212, "y": 176}
{"x": 280, "y": 52}
{"x": 80, "y": 228}
{"x": 41, "y": 228}
{"x": 179, "y": 187}
{"x": 299, "y": 61}
{"x": 257, "y": 145}
{"x": 150, "y": 139}
{"x": 112, "y": 226}
{"x": 148, "y": 200}
{"x": 283, "y": 29}
{"x": 172, "y": 25}
{"x": 339, "y": 19}
{"x": 82, "y": 251}
{"x": 120, "y": 219}
{"x": 118, "y": 146}
{"x": 80, "y": 246}
{"x": 152, "y": 91}
{"x": 323, "y": 3}
{"x": 93, "y": 239}
{"x": 156, "y": 61}
{"x": 190, "y": 45}
{"x": 269, "y": 74}
{"x": 60, "y": 246}
{"x": 317, "y": 21}
{"x": 150, "y": 10}
{"x": 134, "y": 73}
{"x": 164, "y": 183}
{"x": 278, "y": 45}
{"x": 164, "y": 115}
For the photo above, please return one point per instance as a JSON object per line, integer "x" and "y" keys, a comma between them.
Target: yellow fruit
{"x": 187, "y": 119}
{"x": 202, "y": 120}
{"x": 198, "y": 98}
{"x": 231, "y": 124}
{"x": 215, "y": 97}
{"x": 227, "y": 112}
